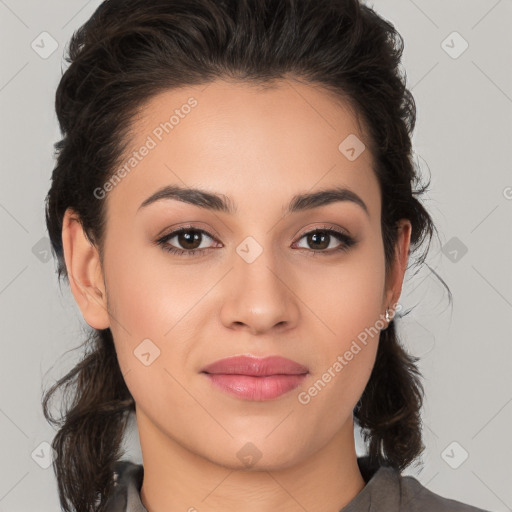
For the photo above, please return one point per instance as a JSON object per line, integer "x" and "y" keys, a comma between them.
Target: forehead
{"x": 248, "y": 142}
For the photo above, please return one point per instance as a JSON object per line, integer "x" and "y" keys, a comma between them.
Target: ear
{"x": 84, "y": 272}
{"x": 395, "y": 278}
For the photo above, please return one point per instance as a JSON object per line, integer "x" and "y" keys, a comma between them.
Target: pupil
{"x": 186, "y": 238}
{"x": 323, "y": 237}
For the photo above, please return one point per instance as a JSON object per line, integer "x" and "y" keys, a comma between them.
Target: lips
{"x": 255, "y": 379}
{"x": 255, "y": 367}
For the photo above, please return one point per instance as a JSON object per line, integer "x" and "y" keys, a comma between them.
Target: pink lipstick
{"x": 253, "y": 378}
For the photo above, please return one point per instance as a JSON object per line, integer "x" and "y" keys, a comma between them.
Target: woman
{"x": 233, "y": 209}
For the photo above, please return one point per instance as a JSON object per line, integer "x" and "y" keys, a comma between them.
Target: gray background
{"x": 462, "y": 139}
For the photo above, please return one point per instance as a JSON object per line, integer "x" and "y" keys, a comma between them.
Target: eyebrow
{"x": 224, "y": 204}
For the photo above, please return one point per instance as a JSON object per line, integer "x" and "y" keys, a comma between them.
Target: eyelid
{"x": 170, "y": 230}
{"x": 339, "y": 230}
{"x": 175, "y": 229}
{"x": 345, "y": 239}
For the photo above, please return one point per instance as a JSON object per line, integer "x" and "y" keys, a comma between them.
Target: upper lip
{"x": 250, "y": 365}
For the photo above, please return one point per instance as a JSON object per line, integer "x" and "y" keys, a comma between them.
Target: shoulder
{"x": 415, "y": 497}
{"x": 388, "y": 490}
{"x": 127, "y": 471}
{"x": 125, "y": 497}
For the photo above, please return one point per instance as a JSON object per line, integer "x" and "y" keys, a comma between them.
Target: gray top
{"x": 386, "y": 490}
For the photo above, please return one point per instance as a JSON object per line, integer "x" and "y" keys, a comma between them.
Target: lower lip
{"x": 255, "y": 388}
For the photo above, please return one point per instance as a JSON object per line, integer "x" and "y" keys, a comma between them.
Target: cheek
{"x": 347, "y": 298}
{"x": 348, "y": 295}
{"x": 150, "y": 294}
{"x": 151, "y": 299}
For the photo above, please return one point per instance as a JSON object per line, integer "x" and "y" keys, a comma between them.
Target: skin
{"x": 260, "y": 147}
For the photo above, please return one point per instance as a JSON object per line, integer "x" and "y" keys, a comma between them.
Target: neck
{"x": 176, "y": 478}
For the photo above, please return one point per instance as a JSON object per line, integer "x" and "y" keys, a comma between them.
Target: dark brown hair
{"x": 129, "y": 51}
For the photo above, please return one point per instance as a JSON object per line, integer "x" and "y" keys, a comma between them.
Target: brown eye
{"x": 188, "y": 240}
{"x": 320, "y": 239}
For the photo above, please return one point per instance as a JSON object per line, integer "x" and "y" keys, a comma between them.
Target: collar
{"x": 381, "y": 489}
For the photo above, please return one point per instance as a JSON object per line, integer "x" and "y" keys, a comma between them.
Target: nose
{"x": 259, "y": 296}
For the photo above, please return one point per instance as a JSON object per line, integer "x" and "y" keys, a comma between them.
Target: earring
{"x": 388, "y": 317}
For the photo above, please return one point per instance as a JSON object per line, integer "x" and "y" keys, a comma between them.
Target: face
{"x": 253, "y": 278}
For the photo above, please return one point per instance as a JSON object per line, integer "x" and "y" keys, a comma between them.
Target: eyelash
{"x": 347, "y": 241}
